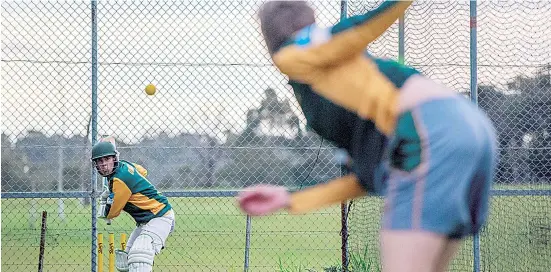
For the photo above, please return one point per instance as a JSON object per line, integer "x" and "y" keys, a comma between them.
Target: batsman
{"x": 429, "y": 151}
{"x": 130, "y": 190}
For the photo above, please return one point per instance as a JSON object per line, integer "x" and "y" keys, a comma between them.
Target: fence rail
{"x": 231, "y": 193}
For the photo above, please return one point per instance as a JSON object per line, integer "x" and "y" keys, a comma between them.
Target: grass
{"x": 362, "y": 261}
{"x": 535, "y": 186}
{"x": 210, "y": 236}
{"x": 516, "y": 238}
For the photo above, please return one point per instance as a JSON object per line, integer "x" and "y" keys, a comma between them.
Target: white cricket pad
{"x": 157, "y": 240}
{"x": 140, "y": 267}
{"x": 121, "y": 260}
{"x": 142, "y": 252}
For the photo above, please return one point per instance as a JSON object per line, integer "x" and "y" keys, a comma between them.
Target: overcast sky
{"x": 209, "y": 64}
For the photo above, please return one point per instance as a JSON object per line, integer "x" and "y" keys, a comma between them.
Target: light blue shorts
{"x": 441, "y": 165}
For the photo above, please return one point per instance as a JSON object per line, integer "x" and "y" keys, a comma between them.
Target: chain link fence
{"x": 509, "y": 48}
{"x": 223, "y": 118}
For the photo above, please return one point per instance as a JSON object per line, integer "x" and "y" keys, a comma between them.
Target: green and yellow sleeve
{"x": 121, "y": 196}
{"x": 314, "y": 47}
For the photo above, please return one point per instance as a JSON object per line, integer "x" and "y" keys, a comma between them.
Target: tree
{"x": 265, "y": 125}
{"x": 181, "y": 177}
{"x": 12, "y": 169}
{"x": 540, "y": 157}
{"x": 72, "y": 175}
{"x": 276, "y": 115}
{"x": 537, "y": 100}
{"x": 500, "y": 110}
{"x": 251, "y": 166}
{"x": 524, "y": 111}
{"x": 208, "y": 158}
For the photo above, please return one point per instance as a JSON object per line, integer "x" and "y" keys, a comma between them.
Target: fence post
{"x": 344, "y": 236}
{"x": 401, "y": 42}
{"x": 344, "y": 209}
{"x": 474, "y": 99}
{"x": 247, "y": 243}
{"x": 473, "y": 51}
{"x": 94, "y": 127}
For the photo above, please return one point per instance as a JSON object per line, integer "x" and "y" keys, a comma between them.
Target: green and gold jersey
{"x": 134, "y": 194}
{"x": 333, "y": 62}
{"x": 347, "y": 95}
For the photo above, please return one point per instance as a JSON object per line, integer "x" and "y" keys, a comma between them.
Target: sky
{"x": 209, "y": 64}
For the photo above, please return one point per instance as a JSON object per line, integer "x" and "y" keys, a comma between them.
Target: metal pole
{"x": 474, "y": 99}
{"x": 473, "y": 50}
{"x": 344, "y": 236}
{"x": 42, "y": 241}
{"x": 344, "y": 210}
{"x": 60, "y": 149}
{"x": 247, "y": 244}
{"x": 60, "y": 164}
{"x": 94, "y": 127}
{"x": 401, "y": 39}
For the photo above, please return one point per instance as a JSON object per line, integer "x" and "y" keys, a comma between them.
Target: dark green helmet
{"x": 103, "y": 149}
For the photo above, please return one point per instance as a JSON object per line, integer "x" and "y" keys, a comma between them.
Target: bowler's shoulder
{"x": 312, "y": 35}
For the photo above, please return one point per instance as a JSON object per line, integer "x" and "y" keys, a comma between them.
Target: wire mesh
{"x": 45, "y": 112}
{"x": 67, "y": 242}
{"x": 223, "y": 118}
{"x": 514, "y": 89}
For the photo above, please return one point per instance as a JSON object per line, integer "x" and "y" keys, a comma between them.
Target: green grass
{"x": 539, "y": 186}
{"x": 210, "y": 236}
{"x": 516, "y": 238}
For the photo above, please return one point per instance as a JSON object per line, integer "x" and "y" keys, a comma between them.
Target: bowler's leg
{"x": 411, "y": 251}
{"x": 448, "y": 254}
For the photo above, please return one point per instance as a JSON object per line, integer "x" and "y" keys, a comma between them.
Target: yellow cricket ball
{"x": 150, "y": 89}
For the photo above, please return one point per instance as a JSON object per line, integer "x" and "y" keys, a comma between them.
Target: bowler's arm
{"x": 322, "y": 195}
{"x": 349, "y": 186}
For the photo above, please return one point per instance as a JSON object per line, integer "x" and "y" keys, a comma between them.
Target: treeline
{"x": 275, "y": 147}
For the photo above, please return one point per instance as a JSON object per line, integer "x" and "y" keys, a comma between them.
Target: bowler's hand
{"x": 263, "y": 199}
